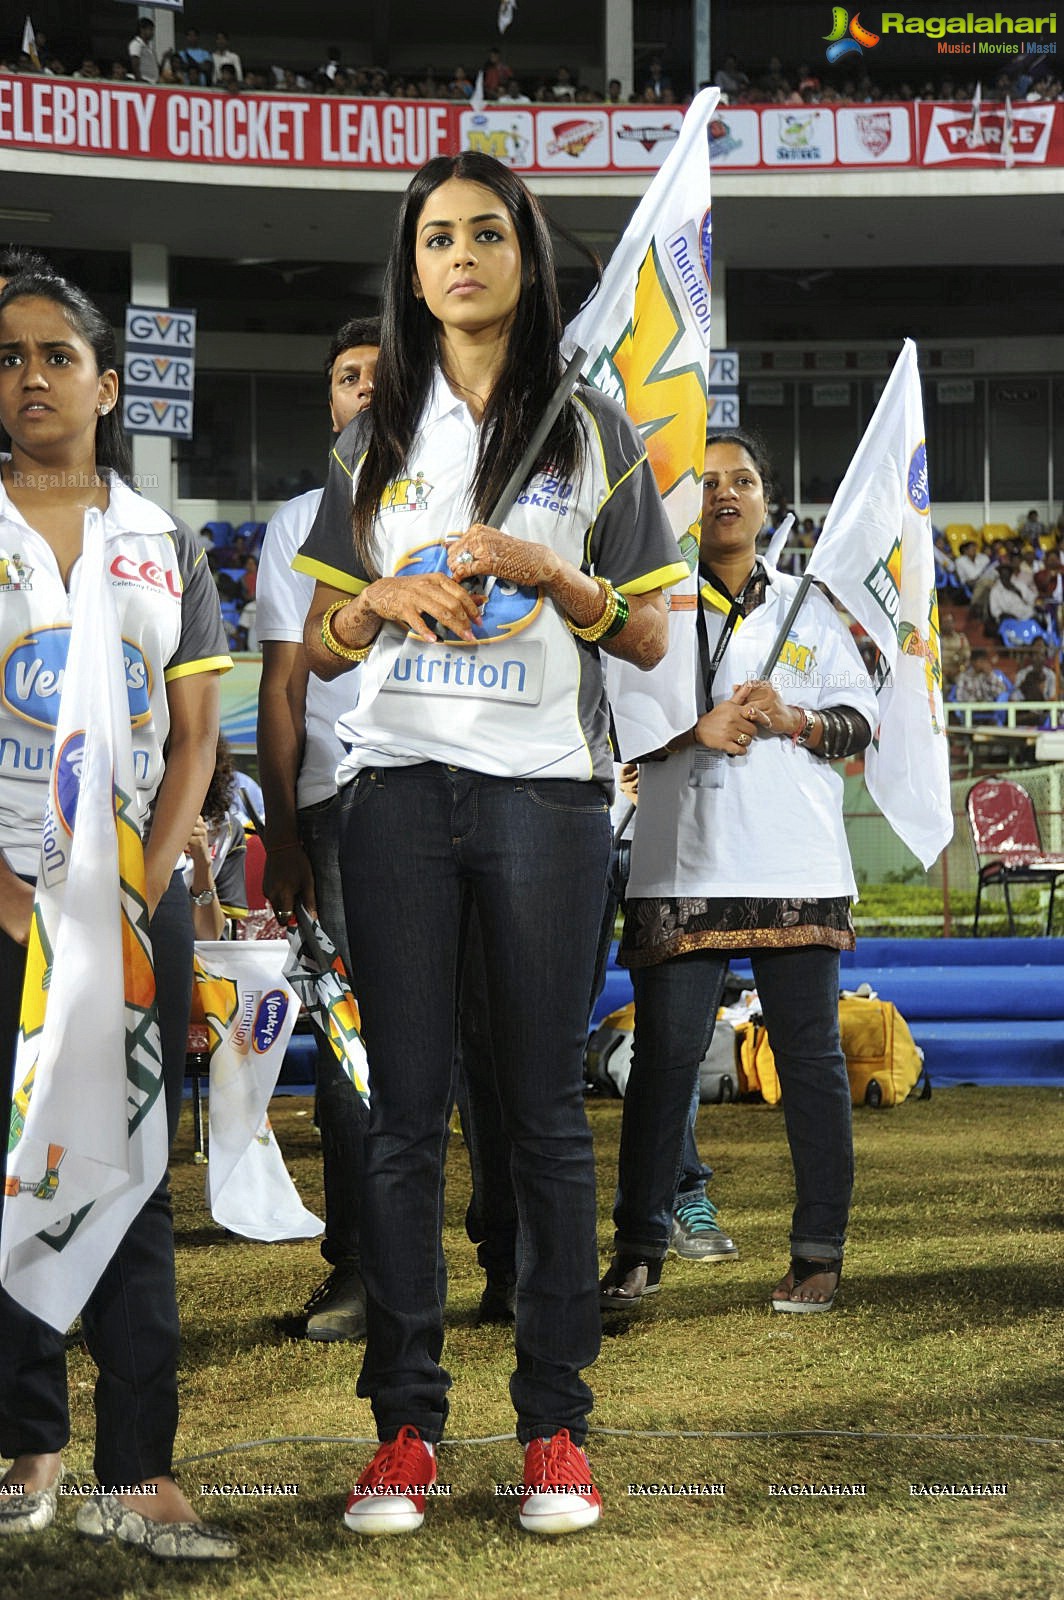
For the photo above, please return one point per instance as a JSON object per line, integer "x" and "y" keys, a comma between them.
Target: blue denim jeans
{"x": 130, "y": 1319}
{"x": 419, "y": 845}
{"x": 342, "y": 1116}
{"x": 491, "y": 1216}
{"x": 675, "y": 1009}
{"x": 694, "y": 1173}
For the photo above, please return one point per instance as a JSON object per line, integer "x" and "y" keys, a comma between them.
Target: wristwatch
{"x": 205, "y": 897}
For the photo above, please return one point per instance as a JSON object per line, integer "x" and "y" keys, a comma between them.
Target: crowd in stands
{"x": 1001, "y": 603}
{"x": 215, "y": 64}
{"x": 1031, "y": 79}
{"x": 1002, "y": 612}
{"x": 233, "y": 557}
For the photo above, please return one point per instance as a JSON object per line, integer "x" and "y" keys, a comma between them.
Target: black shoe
{"x": 627, "y": 1282}
{"x": 337, "y": 1308}
{"x": 497, "y": 1303}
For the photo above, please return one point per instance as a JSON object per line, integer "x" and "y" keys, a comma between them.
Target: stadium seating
{"x": 992, "y": 531}
{"x": 957, "y": 533}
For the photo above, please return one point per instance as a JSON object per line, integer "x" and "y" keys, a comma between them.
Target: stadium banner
{"x": 204, "y": 127}
{"x": 1034, "y": 137}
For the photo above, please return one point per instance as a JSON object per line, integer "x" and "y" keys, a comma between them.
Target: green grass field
{"x": 942, "y": 1365}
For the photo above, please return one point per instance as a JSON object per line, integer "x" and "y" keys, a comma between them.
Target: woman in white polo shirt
{"x": 740, "y": 848}
{"x": 70, "y": 463}
{"x": 479, "y": 770}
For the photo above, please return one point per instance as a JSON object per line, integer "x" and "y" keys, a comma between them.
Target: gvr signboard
{"x": 160, "y": 371}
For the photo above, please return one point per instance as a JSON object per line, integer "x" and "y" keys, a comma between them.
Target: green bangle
{"x": 621, "y": 619}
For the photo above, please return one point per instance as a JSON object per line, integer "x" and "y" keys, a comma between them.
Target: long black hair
{"x": 409, "y": 353}
{"x": 112, "y": 446}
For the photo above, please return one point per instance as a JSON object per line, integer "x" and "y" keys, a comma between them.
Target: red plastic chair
{"x": 1004, "y": 827}
{"x": 260, "y": 922}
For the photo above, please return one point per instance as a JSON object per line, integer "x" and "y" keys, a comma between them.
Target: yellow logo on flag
{"x": 668, "y": 406}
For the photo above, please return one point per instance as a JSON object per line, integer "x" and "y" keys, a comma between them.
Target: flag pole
{"x": 565, "y": 386}
{"x": 505, "y": 503}
{"x": 786, "y": 625}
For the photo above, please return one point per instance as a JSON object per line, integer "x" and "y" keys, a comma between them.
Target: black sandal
{"x": 802, "y": 1268}
{"x": 627, "y": 1281}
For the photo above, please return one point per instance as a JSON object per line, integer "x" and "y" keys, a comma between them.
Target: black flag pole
{"x": 786, "y": 625}
{"x": 504, "y": 504}
{"x": 565, "y": 386}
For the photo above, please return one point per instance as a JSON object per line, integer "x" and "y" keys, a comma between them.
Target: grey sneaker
{"x": 696, "y": 1233}
{"x": 337, "y": 1308}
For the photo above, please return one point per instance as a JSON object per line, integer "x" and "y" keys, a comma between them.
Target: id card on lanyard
{"x": 707, "y": 766}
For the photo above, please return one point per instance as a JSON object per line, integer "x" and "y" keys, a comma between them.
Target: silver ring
{"x": 466, "y": 559}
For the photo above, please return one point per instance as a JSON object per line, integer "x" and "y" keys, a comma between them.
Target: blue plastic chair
{"x": 1019, "y": 633}
{"x": 253, "y": 532}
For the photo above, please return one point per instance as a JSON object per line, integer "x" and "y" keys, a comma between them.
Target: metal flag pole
{"x": 504, "y": 504}
{"x": 566, "y": 384}
{"x": 786, "y": 625}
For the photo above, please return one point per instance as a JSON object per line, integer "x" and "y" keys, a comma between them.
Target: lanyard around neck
{"x": 710, "y": 664}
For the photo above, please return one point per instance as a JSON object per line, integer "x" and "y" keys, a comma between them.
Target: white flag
{"x": 88, "y": 1137}
{"x": 476, "y": 99}
{"x": 1008, "y": 142}
{"x": 507, "y": 9}
{"x": 647, "y": 334}
{"x": 250, "y": 1010}
{"x": 29, "y": 44}
{"x": 975, "y": 140}
{"x": 876, "y": 555}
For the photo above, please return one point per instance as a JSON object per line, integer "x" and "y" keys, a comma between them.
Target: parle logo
{"x": 848, "y": 37}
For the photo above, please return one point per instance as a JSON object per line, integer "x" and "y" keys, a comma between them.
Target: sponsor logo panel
{"x": 804, "y": 137}
{"x": 644, "y": 136}
{"x": 735, "y": 138}
{"x": 574, "y": 140}
{"x": 867, "y": 135}
{"x": 507, "y": 133}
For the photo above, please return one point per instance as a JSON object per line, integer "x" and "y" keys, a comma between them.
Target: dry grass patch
{"x": 941, "y": 1365}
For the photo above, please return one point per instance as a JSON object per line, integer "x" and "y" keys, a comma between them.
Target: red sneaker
{"x": 559, "y": 1495}
{"x": 390, "y": 1495}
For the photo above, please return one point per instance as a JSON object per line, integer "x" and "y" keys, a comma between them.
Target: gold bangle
{"x": 336, "y": 646}
{"x": 599, "y": 629}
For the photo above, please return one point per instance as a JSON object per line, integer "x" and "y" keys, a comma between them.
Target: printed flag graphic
{"x": 316, "y": 973}
{"x": 250, "y": 1011}
{"x": 876, "y": 556}
{"x": 647, "y": 334}
{"x": 88, "y": 1139}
